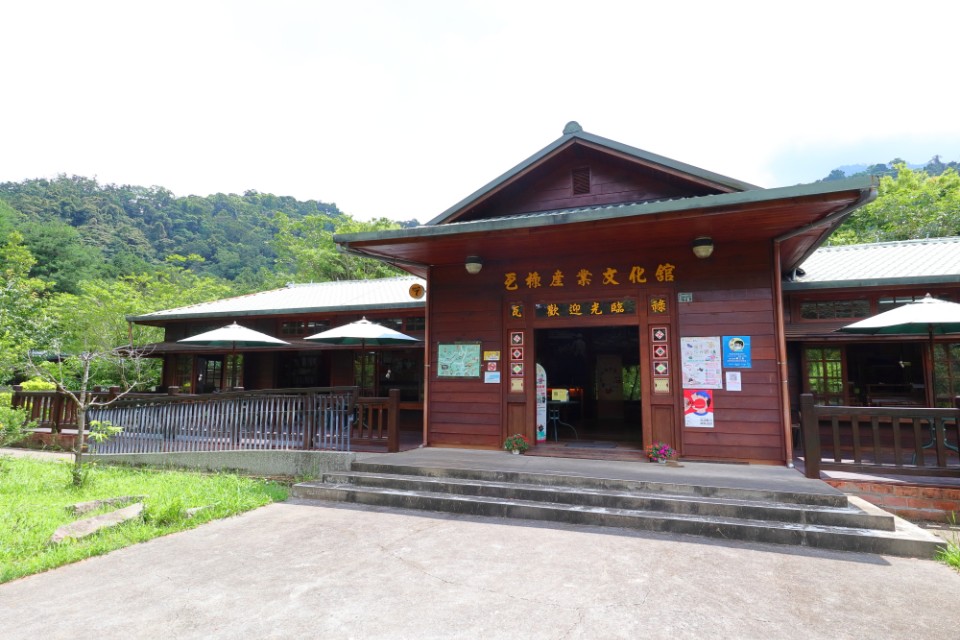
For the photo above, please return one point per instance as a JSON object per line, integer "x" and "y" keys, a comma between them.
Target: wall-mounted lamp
{"x": 703, "y": 246}
{"x": 474, "y": 264}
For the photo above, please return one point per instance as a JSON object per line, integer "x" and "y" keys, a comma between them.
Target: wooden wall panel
{"x": 463, "y": 412}
{"x": 736, "y": 298}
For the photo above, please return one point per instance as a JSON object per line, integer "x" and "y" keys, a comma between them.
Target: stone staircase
{"x": 822, "y": 520}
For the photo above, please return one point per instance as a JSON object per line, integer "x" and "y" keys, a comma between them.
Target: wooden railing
{"x": 903, "y": 441}
{"x": 331, "y": 418}
{"x": 378, "y": 421}
{"x": 51, "y": 410}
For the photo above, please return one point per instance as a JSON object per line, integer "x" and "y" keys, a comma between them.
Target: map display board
{"x": 458, "y": 360}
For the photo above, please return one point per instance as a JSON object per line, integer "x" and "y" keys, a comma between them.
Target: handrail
{"x": 880, "y": 439}
{"x": 264, "y": 415}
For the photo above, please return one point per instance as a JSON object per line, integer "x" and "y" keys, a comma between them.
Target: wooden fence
{"x": 902, "y": 441}
{"x": 330, "y": 418}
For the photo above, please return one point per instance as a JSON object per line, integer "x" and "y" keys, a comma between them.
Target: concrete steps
{"x": 828, "y": 521}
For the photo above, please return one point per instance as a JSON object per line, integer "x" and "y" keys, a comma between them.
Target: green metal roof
{"x": 573, "y": 132}
{"x": 611, "y": 212}
{"x": 346, "y": 295}
{"x": 927, "y": 261}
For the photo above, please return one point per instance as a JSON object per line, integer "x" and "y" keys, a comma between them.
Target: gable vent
{"x": 581, "y": 181}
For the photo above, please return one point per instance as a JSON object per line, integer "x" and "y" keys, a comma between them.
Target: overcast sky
{"x": 401, "y": 109}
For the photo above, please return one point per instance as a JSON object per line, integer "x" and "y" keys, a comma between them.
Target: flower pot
{"x": 515, "y": 452}
{"x": 661, "y": 461}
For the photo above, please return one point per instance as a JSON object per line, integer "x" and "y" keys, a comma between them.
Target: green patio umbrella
{"x": 233, "y": 336}
{"x": 928, "y": 317}
{"x": 363, "y": 333}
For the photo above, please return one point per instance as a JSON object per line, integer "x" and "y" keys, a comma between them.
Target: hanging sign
{"x": 541, "y": 404}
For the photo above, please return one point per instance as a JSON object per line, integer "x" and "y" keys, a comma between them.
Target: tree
{"x": 23, "y": 306}
{"x": 909, "y": 205}
{"x": 307, "y": 253}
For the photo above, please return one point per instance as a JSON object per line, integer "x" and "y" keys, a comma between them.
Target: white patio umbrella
{"x": 233, "y": 336}
{"x": 928, "y": 316}
{"x": 363, "y": 333}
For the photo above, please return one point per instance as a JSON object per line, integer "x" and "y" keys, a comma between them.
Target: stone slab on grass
{"x": 89, "y": 526}
{"x": 93, "y": 505}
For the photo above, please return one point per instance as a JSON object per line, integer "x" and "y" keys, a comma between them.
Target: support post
{"x": 393, "y": 421}
{"x": 810, "y": 426}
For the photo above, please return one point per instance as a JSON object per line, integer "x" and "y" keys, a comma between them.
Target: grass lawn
{"x": 34, "y": 496}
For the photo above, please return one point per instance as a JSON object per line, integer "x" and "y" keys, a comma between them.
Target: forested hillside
{"x": 76, "y": 257}
{"x": 77, "y": 228}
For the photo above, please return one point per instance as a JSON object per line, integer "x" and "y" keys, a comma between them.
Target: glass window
{"x": 833, "y": 309}
{"x": 824, "y": 374}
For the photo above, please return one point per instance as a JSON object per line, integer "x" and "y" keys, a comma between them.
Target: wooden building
{"x": 293, "y": 313}
{"x": 649, "y": 290}
{"x": 837, "y": 286}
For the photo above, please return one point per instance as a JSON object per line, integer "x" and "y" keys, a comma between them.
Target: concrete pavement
{"x": 303, "y": 570}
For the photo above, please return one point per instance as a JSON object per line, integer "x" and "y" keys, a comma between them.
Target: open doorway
{"x": 593, "y": 385}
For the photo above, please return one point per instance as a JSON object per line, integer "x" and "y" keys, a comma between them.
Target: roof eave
{"x": 152, "y": 319}
{"x": 643, "y": 209}
{"x": 870, "y": 282}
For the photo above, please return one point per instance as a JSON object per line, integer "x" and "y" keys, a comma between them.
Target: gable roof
{"x": 344, "y": 295}
{"x": 573, "y": 133}
{"x": 926, "y": 261}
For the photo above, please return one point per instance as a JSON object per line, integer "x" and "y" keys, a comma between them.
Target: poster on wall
{"x": 701, "y": 363}
{"x": 458, "y": 360}
{"x": 698, "y": 408}
{"x": 541, "y": 404}
{"x": 736, "y": 352}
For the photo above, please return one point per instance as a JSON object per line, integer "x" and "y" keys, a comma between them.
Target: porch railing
{"x": 903, "y": 441}
{"x": 318, "y": 418}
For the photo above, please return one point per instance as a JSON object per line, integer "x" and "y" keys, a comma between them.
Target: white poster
{"x": 733, "y": 381}
{"x": 701, "y": 360}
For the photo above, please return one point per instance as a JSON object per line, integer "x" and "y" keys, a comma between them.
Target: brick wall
{"x": 909, "y": 501}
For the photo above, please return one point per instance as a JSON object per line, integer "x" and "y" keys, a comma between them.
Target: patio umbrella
{"x": 928, "y": 316}
{"x": 233, "y": 336}
{"x": 363, "y": 333}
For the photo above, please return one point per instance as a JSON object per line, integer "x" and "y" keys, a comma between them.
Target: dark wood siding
{"x": 464, "y": 413}
{"x": 736, "y": 298}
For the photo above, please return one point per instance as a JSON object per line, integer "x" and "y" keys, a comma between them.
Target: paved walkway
{"x": 299, "y": 570}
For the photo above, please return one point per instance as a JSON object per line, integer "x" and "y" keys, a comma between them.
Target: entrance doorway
{"x": 593, "y": 385}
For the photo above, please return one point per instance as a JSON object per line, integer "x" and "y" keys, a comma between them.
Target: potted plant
{"x": 517, "y": 443}
{"x": 660, "y": 452}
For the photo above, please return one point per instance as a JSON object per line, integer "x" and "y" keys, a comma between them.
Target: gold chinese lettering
{"x": 595, "y": 309}
{"x": 584, "y": 277}
{"x": 553, "y": 310}
{"x": 610, "y": 276}
{"x": 510, "y": 281}
{"x": 665, "y": 272}
{"x": 574, "y": 309}
{"x": 557, "y": 280}
{"x": 516, "y": 311}
{"x": 658, "y": 305}
{"x": 533, "y": 280}
{"x": 617, "y": 307}
{"x": 636, "y": 275}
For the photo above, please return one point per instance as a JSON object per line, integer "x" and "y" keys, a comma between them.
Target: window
{"x": 416, "y": 324}
{"x": 183, "y": 373}
{"x": 946, "y": 373}
{"x": 823, "y": 367}
{"x": 303, "y": 327}
{"x": 833, "y": 309}
{"x": 891, "y": 302}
